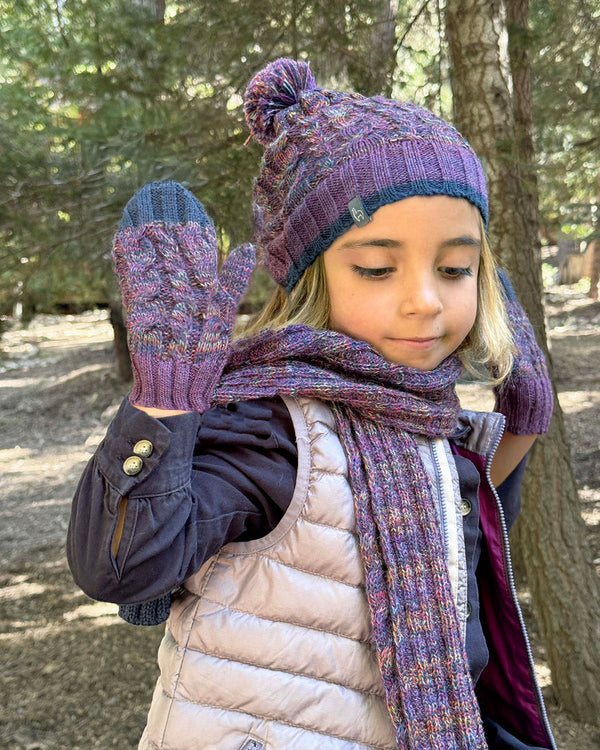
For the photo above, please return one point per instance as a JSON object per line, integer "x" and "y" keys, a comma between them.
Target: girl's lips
{"x": 417, "y": 343}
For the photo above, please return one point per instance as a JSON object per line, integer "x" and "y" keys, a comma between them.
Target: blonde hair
{"x": 489, "y": 346}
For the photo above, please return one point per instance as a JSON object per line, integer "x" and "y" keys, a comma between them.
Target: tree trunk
{"x": 558, "y": 566}
{"x": 594, "y": 267}
{"x": 519, "y": 42}
{"x": 593, "y": 254}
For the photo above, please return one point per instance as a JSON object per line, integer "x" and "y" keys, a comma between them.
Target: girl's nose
{"x": 420, "y": 297}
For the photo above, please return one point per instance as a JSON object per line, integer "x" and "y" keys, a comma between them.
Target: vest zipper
{"x": 513, "y": 589}
{"x": 450, "y": 527}
{"x": 440, "y": 495}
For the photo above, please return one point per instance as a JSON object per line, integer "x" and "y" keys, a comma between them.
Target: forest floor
{"x": 73, "y": 675}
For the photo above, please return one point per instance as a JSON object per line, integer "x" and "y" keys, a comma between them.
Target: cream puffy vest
{"x": 271, "y": 647}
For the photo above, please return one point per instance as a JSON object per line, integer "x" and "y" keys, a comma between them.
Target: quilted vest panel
{"x": 271, "y": 647}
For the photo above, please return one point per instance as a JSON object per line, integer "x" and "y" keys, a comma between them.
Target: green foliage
{"x": 421, "y": 72}
{"x": 99, "y": 97}
{"x": 566, "y": 89}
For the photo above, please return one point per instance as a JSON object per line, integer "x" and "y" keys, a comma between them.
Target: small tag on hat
{"x": 358, "y": 212}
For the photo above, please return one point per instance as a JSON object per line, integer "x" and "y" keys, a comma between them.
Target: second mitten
{"x": 525, "y": 397}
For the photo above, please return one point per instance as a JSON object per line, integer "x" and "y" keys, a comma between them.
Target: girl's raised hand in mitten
{"x": 180, "y": 309}
{"x": 525, "y": 397}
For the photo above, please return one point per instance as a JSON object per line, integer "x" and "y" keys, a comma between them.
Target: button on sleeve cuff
{"x": 136, "y": 443}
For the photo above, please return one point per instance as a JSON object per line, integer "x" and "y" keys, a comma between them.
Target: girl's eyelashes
{"x": 454, "y": 272}
{"x": 450, "y": 272}
{"x": 373, "y": 273}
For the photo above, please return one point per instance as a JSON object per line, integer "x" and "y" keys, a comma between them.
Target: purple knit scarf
{"x": 379, "y": 407}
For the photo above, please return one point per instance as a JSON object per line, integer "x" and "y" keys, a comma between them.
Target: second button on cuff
{"x": 132, "y": 465}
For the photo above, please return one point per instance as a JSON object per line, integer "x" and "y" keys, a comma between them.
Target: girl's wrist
{"x": 157, "y": 413}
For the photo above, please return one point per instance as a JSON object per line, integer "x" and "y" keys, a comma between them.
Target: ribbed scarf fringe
{"x": 379, "y": 407}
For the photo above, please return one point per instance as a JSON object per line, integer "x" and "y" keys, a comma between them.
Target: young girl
{"x": 309, "y": 506}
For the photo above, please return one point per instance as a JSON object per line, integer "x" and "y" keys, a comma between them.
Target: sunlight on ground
{"x": 475, "y": 396}
{"x": 543, "y": 675}
{"x": 26, "y": 348}
{"x": 26, "y": 462}
{"x": 573, "y": 401}
{"x": 21, "y": 589}
{"x": 94, "y": 611}
{"x": 21, "y": 382}
{"x": 43, "y": 379}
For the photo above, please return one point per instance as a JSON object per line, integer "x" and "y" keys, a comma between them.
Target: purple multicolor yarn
{"x": 379, "y": 407}
{"x": 526, "y": 397}
{"x": 180, "y": 315}
{"x": 325, "y": 148}
{"x": 180, "y": 312}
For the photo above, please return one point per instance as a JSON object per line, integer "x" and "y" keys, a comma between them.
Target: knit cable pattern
{"x": 525, "y": 398}
{"x": 324, "y": 148}
{"x": 180, "y": 310}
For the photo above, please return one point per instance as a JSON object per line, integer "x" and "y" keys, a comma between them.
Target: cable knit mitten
{"x": 525, "y": 397}
{"x": 180, "y": 310}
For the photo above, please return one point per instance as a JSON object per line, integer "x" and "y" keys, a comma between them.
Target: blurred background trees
{"x": 99, "y": 96}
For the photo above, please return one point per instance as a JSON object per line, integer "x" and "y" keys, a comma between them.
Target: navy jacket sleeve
{"x": 509, "y": 493}
{"x": 210, "y": 479}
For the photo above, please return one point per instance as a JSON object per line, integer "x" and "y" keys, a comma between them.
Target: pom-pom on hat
{"x": 333, "y": 158}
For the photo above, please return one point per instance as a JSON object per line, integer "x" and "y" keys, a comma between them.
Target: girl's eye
{"x": 372, "y": 273}
{"x": 452, "y": 272}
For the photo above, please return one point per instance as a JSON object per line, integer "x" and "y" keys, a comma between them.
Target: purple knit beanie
{"x": 333, "y": 158}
